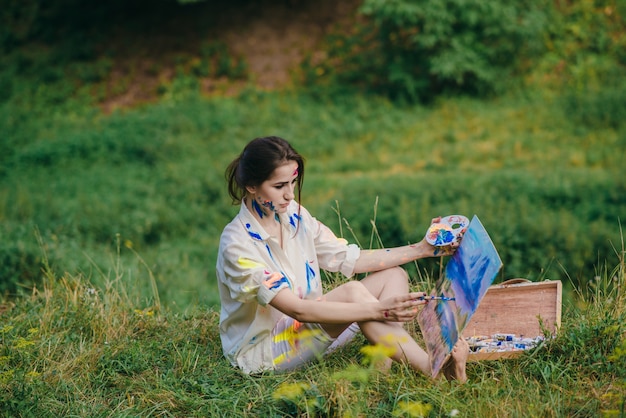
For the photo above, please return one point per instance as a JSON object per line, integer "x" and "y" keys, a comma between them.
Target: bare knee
{"x": 396, "y": 278}
{"x": 355, "y": 291}
{"x": 397, "y": 274}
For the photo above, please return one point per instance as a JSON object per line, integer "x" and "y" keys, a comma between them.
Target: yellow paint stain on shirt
{"x": 248, "y": 264}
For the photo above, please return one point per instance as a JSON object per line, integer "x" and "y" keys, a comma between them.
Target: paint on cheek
{"x": 268, "y": 204}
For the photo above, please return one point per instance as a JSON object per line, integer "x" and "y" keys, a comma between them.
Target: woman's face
{"x": 274, "y": 194}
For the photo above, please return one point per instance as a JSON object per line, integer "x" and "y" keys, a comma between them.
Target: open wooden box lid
{"x": 519, "y": 307}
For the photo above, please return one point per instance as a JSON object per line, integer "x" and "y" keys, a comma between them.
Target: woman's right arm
{"x": 397, "y": 309}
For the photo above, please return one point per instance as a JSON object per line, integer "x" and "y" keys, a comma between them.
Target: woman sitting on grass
{"x": 274, "y": 314}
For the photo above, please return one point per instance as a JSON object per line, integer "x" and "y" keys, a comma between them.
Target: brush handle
{"x": 435, "y": 298}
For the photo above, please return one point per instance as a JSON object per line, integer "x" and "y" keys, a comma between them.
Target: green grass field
{"x": 115, "y": 220}
{"x": 551, "y": 193}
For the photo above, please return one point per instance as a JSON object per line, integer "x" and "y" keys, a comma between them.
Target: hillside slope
{"x": 271, "y": 38}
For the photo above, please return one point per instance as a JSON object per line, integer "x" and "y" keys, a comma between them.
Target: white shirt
{"x": 249, "y": 258}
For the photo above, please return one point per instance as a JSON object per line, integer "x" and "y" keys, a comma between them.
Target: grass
{"x": 71, "y": 348}
{"x": 549, "y": 192}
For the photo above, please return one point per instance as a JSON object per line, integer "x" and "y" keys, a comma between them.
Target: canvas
{"x": 467, "y": 276}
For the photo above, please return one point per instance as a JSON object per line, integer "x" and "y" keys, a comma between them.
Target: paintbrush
{"x": 445, "y": 298}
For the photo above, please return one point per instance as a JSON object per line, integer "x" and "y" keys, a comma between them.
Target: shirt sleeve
{"x": 248, "y": 278}
{"x": 333, "y": 253}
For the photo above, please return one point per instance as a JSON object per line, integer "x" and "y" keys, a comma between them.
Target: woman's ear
{"x": 251, "y": 189}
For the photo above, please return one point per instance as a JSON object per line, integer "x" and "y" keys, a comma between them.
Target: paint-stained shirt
{"x": 252, "y": 268}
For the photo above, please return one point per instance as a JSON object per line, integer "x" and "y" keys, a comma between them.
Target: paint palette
{"x": 447, "y": 230}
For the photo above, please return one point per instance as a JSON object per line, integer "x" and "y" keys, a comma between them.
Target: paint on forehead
{"x": 295, "y": 172}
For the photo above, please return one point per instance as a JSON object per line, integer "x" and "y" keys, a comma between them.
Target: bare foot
{"x": 454, "y": 369}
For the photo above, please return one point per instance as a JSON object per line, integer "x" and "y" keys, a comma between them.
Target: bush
{"x": 416, "y": 50}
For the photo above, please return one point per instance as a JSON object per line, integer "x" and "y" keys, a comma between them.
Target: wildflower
{"x": 144, "y": 312}
{"x": 378, "y": 352}
{"x": 6, "y": 377}
{"x": 33, "y": 374}
{"x": 381, "y": 351}
{"x": 290, "y": 391}
{"x": 353, "y": 373}
{"x": 5, "y": 329}
{"x": 412, "y": 409}
{"x": 22, "y": 343}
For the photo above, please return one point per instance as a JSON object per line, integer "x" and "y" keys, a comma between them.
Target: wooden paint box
{"x": 518, "y": 307}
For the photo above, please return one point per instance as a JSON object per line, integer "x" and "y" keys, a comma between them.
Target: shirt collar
{"x": 251, "y": 225}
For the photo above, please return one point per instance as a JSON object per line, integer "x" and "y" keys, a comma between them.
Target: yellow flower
{"x": 290, "y": 391}
{"x": 6, "y": 329}
{"x": 412, "y": 409}
{"x": 6, "y": 377}
{"x": 379, "y": 352}
{"x": 33, "y": 374}
{"x": 353, "y": 373}
{"x": 22, "y": 343}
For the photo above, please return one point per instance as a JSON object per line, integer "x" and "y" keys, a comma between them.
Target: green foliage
{"x": 597, "y": 107}
{"x": 585, "y": 60}
{"x": 416, "y": 50}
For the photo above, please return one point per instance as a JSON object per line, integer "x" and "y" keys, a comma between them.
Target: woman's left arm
{"x": 380, "y": 259}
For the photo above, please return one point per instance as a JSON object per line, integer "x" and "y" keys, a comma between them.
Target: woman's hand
{"x": 401, "y": 308}
{"x": 447, "y": 250}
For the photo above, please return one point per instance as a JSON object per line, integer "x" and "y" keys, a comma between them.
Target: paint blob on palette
{"x": 446, "y": 231}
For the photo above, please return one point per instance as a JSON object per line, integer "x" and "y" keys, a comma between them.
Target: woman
{"x": 274, "y": 314}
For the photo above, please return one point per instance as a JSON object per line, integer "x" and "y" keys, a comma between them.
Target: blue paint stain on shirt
{"x": 269, "y": 251}
{"x": 294, "y": 219}
{"x": 280, "y": 282}
{"x": 310, "y": 277}
{"x": 253, "y": 234}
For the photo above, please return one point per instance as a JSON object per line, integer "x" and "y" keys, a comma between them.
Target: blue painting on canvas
{"x": 467, "y": 276}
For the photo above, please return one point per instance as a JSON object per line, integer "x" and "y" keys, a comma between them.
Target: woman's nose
{"x": 289, "y": 193}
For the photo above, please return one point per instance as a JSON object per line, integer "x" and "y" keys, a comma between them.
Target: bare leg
{"x": 376, "y": 286}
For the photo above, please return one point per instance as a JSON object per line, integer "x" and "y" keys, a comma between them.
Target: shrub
{"x": 416, "y": 50}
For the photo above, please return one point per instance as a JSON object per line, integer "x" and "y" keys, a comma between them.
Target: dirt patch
{"x": 272, "y": 37}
